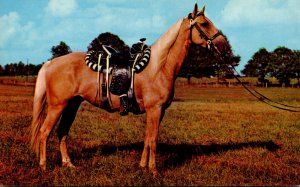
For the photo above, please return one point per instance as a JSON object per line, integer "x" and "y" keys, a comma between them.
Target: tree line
{"x": 199, "y": 62}
{"x": 22, "y": 69}
{"x": 282, "y": 63}
{"x": 202, "y": 63}
{"x": 19, "y": 69}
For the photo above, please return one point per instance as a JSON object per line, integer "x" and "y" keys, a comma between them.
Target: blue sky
{"x": 29, "y": 28}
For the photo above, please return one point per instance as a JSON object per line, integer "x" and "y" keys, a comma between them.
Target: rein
{"x": 216, "y": 52}
{"x": 260, "y": 96}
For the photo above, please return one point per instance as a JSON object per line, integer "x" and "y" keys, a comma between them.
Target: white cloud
{"x": 9, "y": 24}
{"x": 261, "y": 12}
{"x": 61, "y": 8}
{"x": 126, "y": 19}
{"x": 13, "y": 32}
{"x": 29, "y": 35}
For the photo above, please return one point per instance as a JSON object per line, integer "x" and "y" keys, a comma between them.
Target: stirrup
{"x": 123, "y": 105}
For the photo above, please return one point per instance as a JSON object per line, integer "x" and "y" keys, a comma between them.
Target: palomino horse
{"x": 64, "y": 82}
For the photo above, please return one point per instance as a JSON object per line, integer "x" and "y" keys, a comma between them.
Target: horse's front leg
{"x": 150, "y": 141}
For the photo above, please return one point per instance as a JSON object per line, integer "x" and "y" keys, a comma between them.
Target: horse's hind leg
{"x": 53, "y": 114}
{"x": 64, "y": 126}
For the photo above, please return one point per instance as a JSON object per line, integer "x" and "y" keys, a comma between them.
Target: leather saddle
{"x": 120, "y": 66}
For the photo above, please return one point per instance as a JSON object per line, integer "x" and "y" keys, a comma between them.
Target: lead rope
{"x": 261, "y": 97}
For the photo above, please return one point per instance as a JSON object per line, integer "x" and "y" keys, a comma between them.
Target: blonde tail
{"x": 39, "y": 110}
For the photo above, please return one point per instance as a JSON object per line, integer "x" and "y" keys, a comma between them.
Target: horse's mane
{"x": 165, "y": 42}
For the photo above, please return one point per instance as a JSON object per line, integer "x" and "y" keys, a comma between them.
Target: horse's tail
{"x": 39, "y": 109}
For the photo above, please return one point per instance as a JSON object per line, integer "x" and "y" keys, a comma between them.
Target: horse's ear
{"x": 195, "y": 10}
{"x": 202, "y": 10}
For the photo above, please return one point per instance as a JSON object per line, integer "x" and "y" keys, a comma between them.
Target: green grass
{"x": 209, "y": 136}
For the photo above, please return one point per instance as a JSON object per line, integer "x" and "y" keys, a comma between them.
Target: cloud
{"x": 126, "y": 19}
{"x": 254, "y": 12}
{"x": 61, "y": 8}
{"x": 14, "y": 33}
{"x": 9, "y": 25}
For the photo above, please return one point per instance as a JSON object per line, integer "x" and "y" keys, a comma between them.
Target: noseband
{"x": 209, "y": 41}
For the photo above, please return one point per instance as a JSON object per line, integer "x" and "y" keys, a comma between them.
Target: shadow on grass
{"x": 179, "y": 154}
{"x": 176, "y": 155}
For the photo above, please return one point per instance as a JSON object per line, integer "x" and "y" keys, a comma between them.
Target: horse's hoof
{"x": 154, "y": 172}
{"x": 143, "y": 164}
{"x": 43, "y": 166}
{"x": 68, "y": 164}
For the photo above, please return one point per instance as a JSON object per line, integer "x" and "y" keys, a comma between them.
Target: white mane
{"x": 160, "y": 49}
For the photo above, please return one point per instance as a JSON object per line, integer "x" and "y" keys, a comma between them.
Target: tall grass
{"x": 209, "y": 136}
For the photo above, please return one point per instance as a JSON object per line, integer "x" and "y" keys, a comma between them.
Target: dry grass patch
{"x": 209, "y": 136}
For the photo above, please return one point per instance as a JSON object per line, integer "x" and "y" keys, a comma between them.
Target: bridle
{"x": 216, "y": 52}
{"x": 209, "y": 40}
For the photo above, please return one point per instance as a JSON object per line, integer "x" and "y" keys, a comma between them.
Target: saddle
{"x": 96, "y": 60}
{"x": 120, "y": 66}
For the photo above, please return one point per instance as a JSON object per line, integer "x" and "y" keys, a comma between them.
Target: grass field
{"x": 209, "y": 136}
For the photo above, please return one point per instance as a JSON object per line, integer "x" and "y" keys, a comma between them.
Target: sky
{"x": 29, "y": 28}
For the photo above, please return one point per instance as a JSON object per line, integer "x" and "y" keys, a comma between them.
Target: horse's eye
{"x": 204, "y": 24}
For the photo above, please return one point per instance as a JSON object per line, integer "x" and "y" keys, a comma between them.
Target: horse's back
{"x": 68, "y": 59}
{"x": 64, "y": 75}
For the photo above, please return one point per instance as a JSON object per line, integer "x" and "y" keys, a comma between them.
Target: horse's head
{"x": 204, "y": 33}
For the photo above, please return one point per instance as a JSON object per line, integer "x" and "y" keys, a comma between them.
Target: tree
{"x": 296, "y": 66}
{"x": 258, "y": 65}
{"x": 202, "y": 63}
{"x": 221, "y": 68}
{"x": 198, "y": 63}
{"x": 61, "y": 49}
{"x": 283, "y": 65}
{"x": 20, "y": 68}
{"x": 10, "y": 69}
{"x": 110, "y": 39}
{"x": 15, "y": 69}
{"x": 1, "y": 70}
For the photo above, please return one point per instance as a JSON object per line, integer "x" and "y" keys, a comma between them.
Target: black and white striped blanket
{"x": 137, "y": 58}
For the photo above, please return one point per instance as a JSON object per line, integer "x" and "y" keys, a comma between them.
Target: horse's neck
{"x": 161, "y": 48}
{"x": 178, "y": 51}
